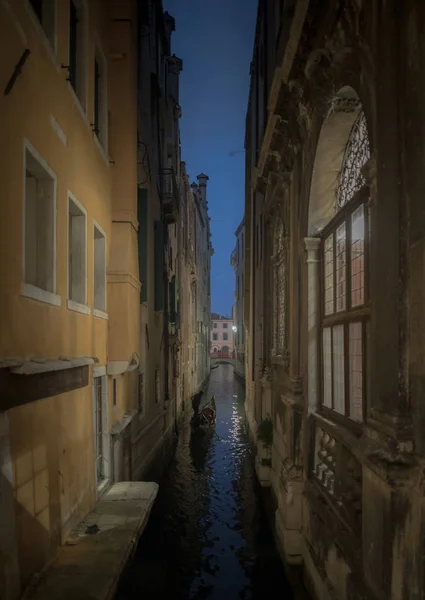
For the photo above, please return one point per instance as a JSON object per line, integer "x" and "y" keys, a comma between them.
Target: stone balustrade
{"x": 339, "y": 473}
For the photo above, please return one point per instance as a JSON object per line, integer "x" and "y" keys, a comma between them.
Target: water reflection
{"x": 207, "y": 536}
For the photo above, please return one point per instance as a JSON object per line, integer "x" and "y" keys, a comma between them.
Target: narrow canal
{"x": 208, "y": 537}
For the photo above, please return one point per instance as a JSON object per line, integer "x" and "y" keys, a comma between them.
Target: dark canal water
{"x": 208, "y": 537}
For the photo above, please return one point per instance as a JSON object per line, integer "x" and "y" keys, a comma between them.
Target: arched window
{"x": 345, "y": 298}
{"x": 356, "y": 155}
{"x": 278, "y": 264}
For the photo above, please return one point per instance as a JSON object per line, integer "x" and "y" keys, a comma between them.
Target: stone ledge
{"x": 88, "y": 566}
{"x": 290, "y": 541}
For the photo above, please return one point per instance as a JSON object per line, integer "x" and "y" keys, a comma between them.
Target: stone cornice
{"x": 126, "y": 278}
{"x": 125, "y": 216}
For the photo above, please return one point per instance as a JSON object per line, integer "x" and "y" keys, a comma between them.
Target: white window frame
{"x": 102, "y": 314}
{"x": 106, "y": 437}
{"x": 72, "y": 304}
{"x": 27, "y": 289}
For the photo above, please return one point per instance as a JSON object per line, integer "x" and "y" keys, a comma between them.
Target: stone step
{"x": 89, "y": 565}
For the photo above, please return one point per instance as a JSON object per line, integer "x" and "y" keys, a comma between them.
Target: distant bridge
{"x": 222, "y": 358}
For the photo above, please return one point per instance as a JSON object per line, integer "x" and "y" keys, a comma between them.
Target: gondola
{"x": 205, "y": 416}
{"x": 214, "y": 367}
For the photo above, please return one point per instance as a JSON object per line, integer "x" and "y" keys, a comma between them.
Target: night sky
{"x": 214, "y": 38}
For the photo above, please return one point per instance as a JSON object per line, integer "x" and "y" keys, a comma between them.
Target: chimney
{"x": 170, "y": 23}
{"x": 202, "y": 180}
{"x": 178, "y": 62}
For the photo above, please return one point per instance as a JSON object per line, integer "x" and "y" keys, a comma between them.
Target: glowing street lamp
{"x": 234, "y": 328}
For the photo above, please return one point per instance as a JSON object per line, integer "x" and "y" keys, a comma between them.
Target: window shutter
{"x": 177, "y": 305}
{"x": 73, "y": 20}
{"x": 159, "y": 265}
{"x": 96, "y": 97}
{"x": 38, "y": 8}
{"x": 173, "y": 312}
{"x": 142, "y": 241}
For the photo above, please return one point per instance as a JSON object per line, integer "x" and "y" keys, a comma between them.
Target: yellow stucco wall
{"x": 29, "y": 327}
{"x": 53, "y": 469}
{"x": 51, "y": 440}
{"x": 123, "y": 272}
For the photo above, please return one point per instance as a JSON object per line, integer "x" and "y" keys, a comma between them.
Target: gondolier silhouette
{"x": 208, "y": 412}
{"x": 204, "y": 412}
{"x": 196, "y": 401}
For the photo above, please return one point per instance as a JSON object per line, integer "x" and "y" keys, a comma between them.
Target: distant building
{"x": 158, "y": 178}
{"x": 237, "y": 260}
{"x": 194, "y": 284}
{"x": 222, "y": 334}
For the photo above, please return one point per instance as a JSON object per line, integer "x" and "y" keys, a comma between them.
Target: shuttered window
{"x": 142, "y": 241}
{"x": 96, "y": 97}
{"x": 45, "y": 11}
{"x": 173, "y": 304}
{"x": 73, "y": 21}
{"x": 37, "y": 6}
{"x": 159, "y": 265}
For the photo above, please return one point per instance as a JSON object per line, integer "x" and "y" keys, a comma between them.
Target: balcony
{"x": 233, "y": 258}
{"x": 222, "y": 355}
{"x": 170, "y": 193}
{"x": 339, "y": 474}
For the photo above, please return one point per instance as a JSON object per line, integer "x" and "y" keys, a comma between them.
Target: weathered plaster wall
{"x": 368, "y": 544}
{"x": 53, "y": 473}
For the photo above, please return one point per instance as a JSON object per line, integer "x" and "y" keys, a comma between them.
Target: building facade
{"x": 334, "y": 291}
{"x": 94, "y": 269}
{"x": 158, "y": 143}
{"x": 237, "y": 261}
{"x": 69, "y": 282}
{"x": 222, "y": 335}
{"x": 195, "y": 251}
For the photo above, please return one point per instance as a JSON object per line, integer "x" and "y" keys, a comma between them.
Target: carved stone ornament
{"x": 340, "y": 104}
{"x": 266, "y": 377}
{"x": 290, "y": 471}
{"x": 317, "y": 61}
{"x": 276, "y": 189}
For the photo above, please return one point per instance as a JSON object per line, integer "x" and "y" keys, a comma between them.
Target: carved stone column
{"x": 313, "y": 321}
